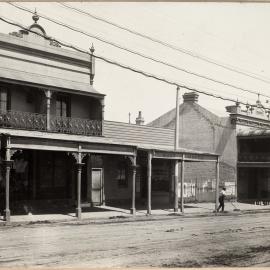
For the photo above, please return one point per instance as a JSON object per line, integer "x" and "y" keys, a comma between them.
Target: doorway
{"x": 97, "y": 186}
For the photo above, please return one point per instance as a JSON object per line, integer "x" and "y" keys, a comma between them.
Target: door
{"x": 97, "y": 186}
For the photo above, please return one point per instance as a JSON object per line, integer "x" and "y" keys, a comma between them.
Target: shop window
{"x": 122, "y": 174}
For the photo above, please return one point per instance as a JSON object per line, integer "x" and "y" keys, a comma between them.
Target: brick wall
{"x": 201, "y": 130}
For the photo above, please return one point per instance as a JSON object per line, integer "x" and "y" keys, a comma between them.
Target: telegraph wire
{"x": 124, "y": 66}
{"x": 135, "y": 52}
{"x": 166, "y": 44}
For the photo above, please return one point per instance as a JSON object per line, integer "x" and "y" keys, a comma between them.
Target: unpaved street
{"x": 241, "y": 240}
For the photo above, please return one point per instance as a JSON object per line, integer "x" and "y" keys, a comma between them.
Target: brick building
{"x": 202, "y": 130}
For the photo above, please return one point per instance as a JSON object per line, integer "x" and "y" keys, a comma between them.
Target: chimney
{"x": 139, "y": 119}
{"x": 191, "y": 97}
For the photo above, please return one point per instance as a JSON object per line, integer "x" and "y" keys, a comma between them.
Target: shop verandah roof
{"x": 254, "y": 133}
{"x": 158, "y": 140}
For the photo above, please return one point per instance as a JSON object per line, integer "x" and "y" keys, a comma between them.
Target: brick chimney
{"x": 191, "y": 97}
{"x": 140, "y": 119}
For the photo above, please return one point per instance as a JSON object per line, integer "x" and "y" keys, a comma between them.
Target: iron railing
{"x": 76, "y": 126}
{"x": 35, "y": 121}
{"x": 23, "y": 120}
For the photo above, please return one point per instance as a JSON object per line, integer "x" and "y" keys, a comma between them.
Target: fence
{"x": 204, "y": 190}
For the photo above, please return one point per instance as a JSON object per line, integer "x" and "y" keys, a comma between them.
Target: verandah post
{"x": 48, "y": 94}
{"x": 79, "y": 175}
{"x": 149, "y": 186}
{"x": 182, "y": 183}
{"x": 217, "y": 184}
{"x": 133, "y": 206}
{"x": 176, "y": 176}
{"x": 8, "y": 163}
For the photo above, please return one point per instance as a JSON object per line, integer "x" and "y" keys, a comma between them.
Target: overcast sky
{"x": 231, "y": 33}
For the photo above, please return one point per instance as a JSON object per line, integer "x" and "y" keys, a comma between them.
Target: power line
{"x": 135, "y": 52}
{"x": 166, "y": 44}
{"x": 113, "y": 62}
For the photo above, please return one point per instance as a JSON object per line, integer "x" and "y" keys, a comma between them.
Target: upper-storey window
{"x": 4, "y": 100}
{"x": 63, "y": 106}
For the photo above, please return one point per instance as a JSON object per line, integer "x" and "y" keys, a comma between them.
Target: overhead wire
{"x": 135, "y": 52}
{"x": 166, "y": 44}
{"x": 124, "y": 66}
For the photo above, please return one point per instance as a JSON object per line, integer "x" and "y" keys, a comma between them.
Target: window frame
{"x": 7, "y": 102}
{"x": 63, "y": 99}
{"x": 122, "y": 173}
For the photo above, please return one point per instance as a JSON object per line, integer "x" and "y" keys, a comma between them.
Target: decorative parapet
{"x": 257, "y": 110}
{"x": 35, "y": 30}
{"x": 249, "y": 121}
{"x": 54, "y": 43}
{"x": 16, "y": 34}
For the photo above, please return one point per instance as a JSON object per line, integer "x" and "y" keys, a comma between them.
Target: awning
{"x": 254, "y": 133}
{"x": 43, "y": 81}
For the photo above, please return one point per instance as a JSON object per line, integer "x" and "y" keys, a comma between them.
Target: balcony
{"x": 34, "y": 121}
{"x": 254, "y": 157}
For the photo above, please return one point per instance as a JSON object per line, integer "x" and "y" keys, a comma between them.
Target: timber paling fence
{"x": 204, "y": 190}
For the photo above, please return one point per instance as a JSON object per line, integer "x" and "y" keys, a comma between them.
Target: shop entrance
{"x": 97, "y": 186}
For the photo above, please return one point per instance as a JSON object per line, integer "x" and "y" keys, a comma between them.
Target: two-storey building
{"x": 56, "y": 148}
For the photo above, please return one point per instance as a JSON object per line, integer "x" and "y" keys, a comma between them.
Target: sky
{"x": 235, "y": 34}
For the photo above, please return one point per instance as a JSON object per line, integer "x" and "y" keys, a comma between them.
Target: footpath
{"x": 107, "y": 214}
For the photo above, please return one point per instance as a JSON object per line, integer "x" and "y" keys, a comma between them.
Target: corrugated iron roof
{"x": 45, "y": 81}
{"x": 144, "y": 137}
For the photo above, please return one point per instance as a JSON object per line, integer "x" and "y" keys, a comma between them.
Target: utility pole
{"x": 176, "y": 131}
{"x": 176, "y": 144}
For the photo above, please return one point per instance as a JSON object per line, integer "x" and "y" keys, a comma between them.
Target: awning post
{"x": 133, "y": 206}
{"x": 149, "y": 178}
{"x": 182, "y": 183}
{"x": 176, "y": 176}
{"x": 217, "y": 184}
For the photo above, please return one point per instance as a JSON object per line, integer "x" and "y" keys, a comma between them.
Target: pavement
{"x": 113, "y": 214}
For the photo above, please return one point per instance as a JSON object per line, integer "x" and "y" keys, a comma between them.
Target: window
{"x": 4, "y": 104}
{"x": 63, "y": 106}
{"x": 122, "y": 174}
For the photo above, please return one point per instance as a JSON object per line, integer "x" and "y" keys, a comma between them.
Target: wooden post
{"x": 182, "y": 183}
{"x": 149, "y": 176}
{"x": 217, "y": 184}
{"x": 176, "y": 131}
{"x": 79, "y": 174}
{"x": 8, "y": 163}
{"x": 92, "y": 65}
{"x": 102, "y": 103}
{"x": 34, "y": 181}
{"x": 176, "y": 174}
{"x": 48, "y": 94}
{"x": 237, "y": 169}
{"x": 133, "y": 206}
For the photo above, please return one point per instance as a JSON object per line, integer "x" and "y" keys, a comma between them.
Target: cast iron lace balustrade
{"x": 35, "y": 121}
{"x": 76, "y": 126}
{"x": 22, "y": 120}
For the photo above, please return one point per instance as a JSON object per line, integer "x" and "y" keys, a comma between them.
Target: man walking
{"x": 221, "y": 198}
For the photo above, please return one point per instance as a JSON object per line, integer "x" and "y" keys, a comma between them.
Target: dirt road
{"x": 181, "y": 242}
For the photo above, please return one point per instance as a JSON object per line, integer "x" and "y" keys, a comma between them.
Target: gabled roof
{"x": 168, "y": 119}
